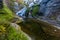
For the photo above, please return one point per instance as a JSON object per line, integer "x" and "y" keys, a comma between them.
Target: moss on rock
{"x": 7, "y": 31}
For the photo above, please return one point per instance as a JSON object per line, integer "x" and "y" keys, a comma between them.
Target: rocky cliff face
{"x": 50, "y": 8}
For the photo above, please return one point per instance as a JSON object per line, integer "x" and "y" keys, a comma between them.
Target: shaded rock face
{"x": 1, "y": 4}
{"x": 43, "y": 6}
{"x": 50, "y": 8}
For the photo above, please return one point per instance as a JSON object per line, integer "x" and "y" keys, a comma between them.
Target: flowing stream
{"x": 34, "y": 30}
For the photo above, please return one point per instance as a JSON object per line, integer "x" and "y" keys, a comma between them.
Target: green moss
{"x": 14, "y": 35}
{"x": 6, "y": 14}
{"x": 10, "y": 33}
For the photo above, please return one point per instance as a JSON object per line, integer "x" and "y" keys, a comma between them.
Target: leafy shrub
{"x": 35, "y": 10}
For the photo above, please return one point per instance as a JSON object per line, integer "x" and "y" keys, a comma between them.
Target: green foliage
{"x": 6, "y": 14}
{"x": 35, "y": 10}
{"x": 14, "y": 35}
{"x": 10, "y": 33}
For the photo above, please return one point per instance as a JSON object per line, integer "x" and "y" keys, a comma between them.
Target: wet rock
{"x": 50, "y": 8}
{"x": 17, "y": 27}
{"x": 58, "y": 18}
{"x": 43, "y": 6}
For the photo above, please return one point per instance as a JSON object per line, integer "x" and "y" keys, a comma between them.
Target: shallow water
{"x": 35, "y": 31}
